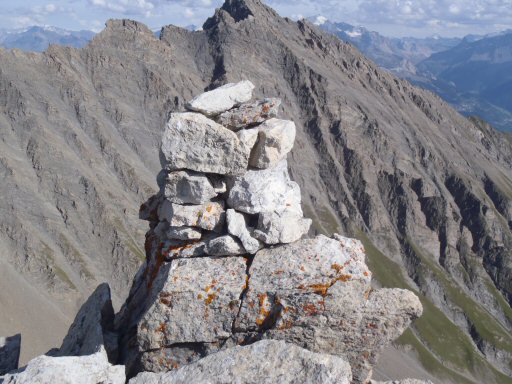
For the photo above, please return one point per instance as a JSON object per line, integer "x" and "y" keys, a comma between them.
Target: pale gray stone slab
{"x": 221, "y": 99}
{"x": 264, "y": 362}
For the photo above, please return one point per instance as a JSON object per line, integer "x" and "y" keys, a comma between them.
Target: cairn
{"x": 226, "y": 265}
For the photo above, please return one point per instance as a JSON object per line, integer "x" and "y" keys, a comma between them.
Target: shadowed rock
{"x": 9, "y": 353}
{"x": 92, "y": 330}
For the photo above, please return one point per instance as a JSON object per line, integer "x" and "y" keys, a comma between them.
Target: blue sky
{"x": 390, "y": 17}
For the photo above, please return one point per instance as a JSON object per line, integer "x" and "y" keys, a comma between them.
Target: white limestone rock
{"x": 209, "y": 216}
{"x": 192, "y": 301}
{"x": 265, "y": 190}
{"x": 317, "y": 292}
{"x": 194, "y": 142}
{"x": 9, "y": 353}
{"x": 225, "y": 246}
{"x": 238, "y": 228}
{"x": 221, "y": 99}
{"x": 285, "y": 226}
{"x": 187, "y": 187}
{"x": 264, "y": 362}
{"x": 275, "y": 140}
{"x": 249, "y": 114}
{"x": 90, "y": 369}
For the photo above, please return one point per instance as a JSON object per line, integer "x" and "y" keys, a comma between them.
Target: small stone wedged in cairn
{"x": 187, "y": 187}
{"x": 265, "y": 190}
{"x": 249, "y": 114}
{"x": 225, "y": 260}
{"x": 275, "y": 140}
{"x": 210, "y": 216}
{"x": 238, "y": 228}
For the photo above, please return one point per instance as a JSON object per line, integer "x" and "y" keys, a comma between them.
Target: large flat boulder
{"x": 221, "y": 99}
{"x": 194, "y": 142}
{"x": 194, "y": 303}
{"x": 264, "y": 362}
{"x": 316, "y": 293}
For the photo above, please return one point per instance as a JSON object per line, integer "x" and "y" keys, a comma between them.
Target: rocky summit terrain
{"x": 229, "y": 291}
{"x": 427, "y": 191}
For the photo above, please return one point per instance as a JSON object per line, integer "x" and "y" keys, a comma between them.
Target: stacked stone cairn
{"x": 226, "y": 265}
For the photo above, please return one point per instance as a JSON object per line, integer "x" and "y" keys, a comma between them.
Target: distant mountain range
{"x": 474, "y": 73}
{"x": 38, "y": 38}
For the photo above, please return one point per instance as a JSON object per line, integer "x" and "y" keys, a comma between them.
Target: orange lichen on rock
{"x": 323, "y": 288}
{"x": 209, "y": 299}
{"x": 310, "y": 309}
{"x": 160, "y": 259}
{"x": 337, "y": 267}
{"x": 264, "y": 309}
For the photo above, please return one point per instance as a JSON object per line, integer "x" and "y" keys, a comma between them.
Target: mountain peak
{"x": 239, "y": 10}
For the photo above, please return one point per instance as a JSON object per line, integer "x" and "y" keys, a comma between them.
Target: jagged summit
{"x": 239, "y": 10}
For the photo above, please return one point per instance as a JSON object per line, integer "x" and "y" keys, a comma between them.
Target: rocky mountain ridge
{"x": 426, "y": 190}
{"x": 470, "y": 73}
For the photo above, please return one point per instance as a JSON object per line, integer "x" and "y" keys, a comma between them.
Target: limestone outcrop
{"x": 226, "y": 266}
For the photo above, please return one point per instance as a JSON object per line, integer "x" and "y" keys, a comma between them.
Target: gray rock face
{"x": 249, "y": 114}
{"x": 316, "y": 293}
{"x": 194, "y": 142}
{"x": 92, "y": 330}
{"x": 265, "y": 191}
{"x": 275, "y": 140}
{"x": 221, "y": 99}
{"x": 208, "y": 216}
{"x": 265, "y": 361}
{"x": 9, "y": 353}
{"x": 238, "y": 228}
{"x": 90, "y": 369}
{"x": 281, "y": 227}
{"x": 185, "y": 187}
{"x": 194, "y": 302}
